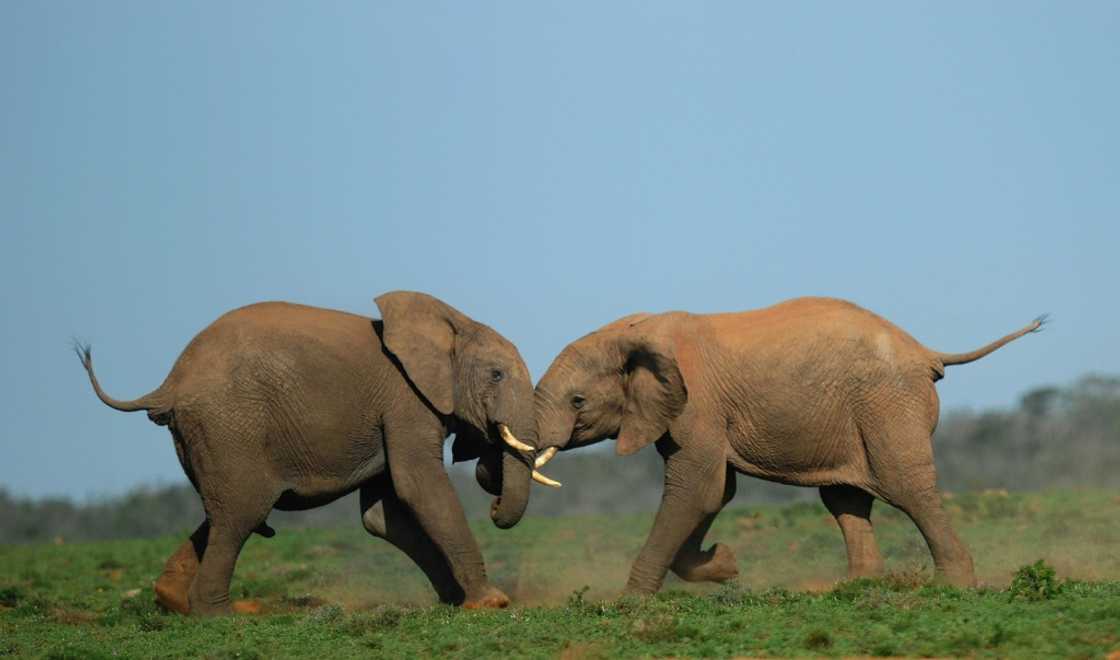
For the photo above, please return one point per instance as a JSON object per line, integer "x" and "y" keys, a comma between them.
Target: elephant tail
{"x": 964, "y": 358}
{"x": 155, "y": 402}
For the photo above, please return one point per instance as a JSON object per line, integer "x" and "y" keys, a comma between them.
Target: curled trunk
{"x": 510, "y": 505}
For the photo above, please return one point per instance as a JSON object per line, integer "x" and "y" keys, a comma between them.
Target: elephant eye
{"x": 496, "y": 375}
{"x": 578, "y": 401}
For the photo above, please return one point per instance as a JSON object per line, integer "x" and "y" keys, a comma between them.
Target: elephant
{"x": 811, "y": 392}
{"x": 284, "y": 406}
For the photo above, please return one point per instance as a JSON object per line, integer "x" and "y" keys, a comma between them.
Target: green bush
{"x": 10, "y": 596}
{"x": 1035, "y": 582}
{"x": 576, "y": 598}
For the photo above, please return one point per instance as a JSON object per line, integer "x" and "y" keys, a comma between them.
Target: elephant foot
{"x": 961, "y": 579}
{"x": 639, "y": 593}
{"x": 172, "y": 595}
{"x": 212, "y": 603}
{"x": 489, "y": 597}
{"x": 173, "y": 586}
{"x": 201, "y": 608}
{"x": 716, "y": 564}
{"x": 865, "y": 570}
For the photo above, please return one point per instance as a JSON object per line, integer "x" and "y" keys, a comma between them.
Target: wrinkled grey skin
{"x": 811, "y": 392}
{"x": 285, "y": 406}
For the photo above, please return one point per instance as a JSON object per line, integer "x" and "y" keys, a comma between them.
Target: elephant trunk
{"x": 515, "y": 444}
{"x": 554, "y": 427}
{"x": 510, "y": 505}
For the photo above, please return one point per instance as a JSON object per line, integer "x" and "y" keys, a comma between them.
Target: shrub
{"x": 575, "y": 599}
{"x": 10, "y": 596}
{"x": 1035, "y": 582}
{"x": 818, "y": 639}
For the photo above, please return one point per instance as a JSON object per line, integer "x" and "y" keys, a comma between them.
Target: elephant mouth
{"x": 545, "y": 456}
{"x": 513, "y": 443}
{"x": 510, "y": 439}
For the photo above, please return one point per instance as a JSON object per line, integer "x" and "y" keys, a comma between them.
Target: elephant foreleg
{"x": 385, "y": 516}
{"x": 852, "y": 509}
{"x": 694, "y": 490}
{"x": 174, "y": 583}
{"x": 422, "y": 485}
{"x": 717, "y": 563}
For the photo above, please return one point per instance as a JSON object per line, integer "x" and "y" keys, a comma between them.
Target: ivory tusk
{"x": 546, "y": 456}
{"x": 510, "y": 439}
{"x": 541, "y": 479}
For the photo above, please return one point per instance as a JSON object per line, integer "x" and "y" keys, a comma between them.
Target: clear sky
{"x": 546, "y": 168}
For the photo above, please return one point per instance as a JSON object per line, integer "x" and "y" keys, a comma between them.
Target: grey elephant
{"x": 285, "y": 406}
{"x": 811, "y": 392}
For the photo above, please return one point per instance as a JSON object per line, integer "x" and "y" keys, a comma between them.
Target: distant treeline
{"x": 1055, "y": 437}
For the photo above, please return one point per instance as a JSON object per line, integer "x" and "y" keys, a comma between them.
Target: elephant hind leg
{"x": 717, "y": 563}
{"x": 173, "y": 586}
{"x": 852, "y": 509}
{"x": 236, "y": 506}
{"x": 951, "y": 559}
{"x": 225, "y": 456}
{"x": 209, "y": 593}
{"x": 907, "y": 480}
{"x": 386, "y": 517}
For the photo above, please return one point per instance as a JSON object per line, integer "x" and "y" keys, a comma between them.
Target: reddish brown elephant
{"x": 285, "y": 406}
{"x": 811, "y": 392}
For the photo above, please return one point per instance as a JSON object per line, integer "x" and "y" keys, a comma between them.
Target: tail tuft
{"x": 1041, "y": 321}
{"x": 84, "y": 351}
{"x": 156, "y": 402}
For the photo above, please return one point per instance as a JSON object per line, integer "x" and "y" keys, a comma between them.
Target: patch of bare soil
{"x": 247, "y": 607}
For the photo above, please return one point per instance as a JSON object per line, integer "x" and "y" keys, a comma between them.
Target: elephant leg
{"x": 852, "y": 509}
{"x": 233, "y": 515}
{"x": 385, "y": 516}
{"x": 209, "y": 593}
{"x": 421, "y": 482}
{"x": 951, "y": 559}
{"x": 174, "y": 584}
{"x": 695, "y": 484}
{"x": 909, "y": 482}
{"x": 717, "y": 563}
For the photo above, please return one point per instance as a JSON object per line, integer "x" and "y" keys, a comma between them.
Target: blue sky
{"x": 546, "y": 168}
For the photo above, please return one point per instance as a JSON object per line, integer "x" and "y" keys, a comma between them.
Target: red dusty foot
{"x": 171, "y": 593}
{"x": 491, "y": 598}
{"x": 174, "y": 583}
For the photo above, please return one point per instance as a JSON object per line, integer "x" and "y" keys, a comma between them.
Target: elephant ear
{"x": 420, "y": 331}
{"x": 655, "y": 394}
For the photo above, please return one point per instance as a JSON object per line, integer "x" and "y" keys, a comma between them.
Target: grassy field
{"x": 341, "y": 593}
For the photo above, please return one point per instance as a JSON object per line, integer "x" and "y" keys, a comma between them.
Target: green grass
{"x": 341, "y": 593}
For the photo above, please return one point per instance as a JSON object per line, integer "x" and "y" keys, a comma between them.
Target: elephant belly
{"x": 321, "y": 467}
{"x": 314, "y": 490}
{"x": 799, "y": 450}
{"x": 292, "y": 501}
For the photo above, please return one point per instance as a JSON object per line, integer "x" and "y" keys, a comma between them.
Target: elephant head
{"x": 621, "y": 381}
{"x": 475, "y": 379}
